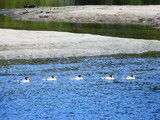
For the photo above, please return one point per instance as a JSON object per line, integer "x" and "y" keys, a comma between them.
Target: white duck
{"x": 51, "y": 78}
{"x": 110, "y": 77}
{"x": 79, "y": 77}
{"x": 25, "y": 80}
{"x": 131, "y": 77}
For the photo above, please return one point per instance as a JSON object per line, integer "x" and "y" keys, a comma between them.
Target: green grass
{"x": 73, "y": 59}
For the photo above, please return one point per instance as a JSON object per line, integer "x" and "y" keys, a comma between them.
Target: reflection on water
{"x": 116, "y": 30}
{"x": 91, "y": 98}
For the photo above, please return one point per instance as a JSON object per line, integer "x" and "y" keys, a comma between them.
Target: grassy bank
{"x": 74, "y": 59}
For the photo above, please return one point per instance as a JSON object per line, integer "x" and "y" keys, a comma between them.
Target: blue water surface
{"x": 89, "y": 99}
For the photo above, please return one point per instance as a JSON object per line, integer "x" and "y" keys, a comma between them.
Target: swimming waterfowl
{"x": 110, "y": 77}
{"x": 25, "y": 80}
{"x": 79, "y": 77}
{"x": 131, "y": 77}
{"x": 51, "y": 78}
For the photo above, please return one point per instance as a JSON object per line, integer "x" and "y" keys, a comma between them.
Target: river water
{"x": 90, "y": 98}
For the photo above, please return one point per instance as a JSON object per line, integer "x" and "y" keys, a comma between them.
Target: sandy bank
{"x": 48, "y": 44}
{"x": 149, "y": 14}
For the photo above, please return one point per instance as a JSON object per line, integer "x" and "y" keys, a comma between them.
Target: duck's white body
{"x": 130, "y": 78}
{"x": 77, "y": 78}
{"x": 50, "y": 79}
{"x": 107, "y": 78}
{"x": 24, "y": 81}
{"x": 110, "y": 77}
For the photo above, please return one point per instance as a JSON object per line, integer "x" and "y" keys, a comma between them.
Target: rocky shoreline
{"x": 149, "y": 14}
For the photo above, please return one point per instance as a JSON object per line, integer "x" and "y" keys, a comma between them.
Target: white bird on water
{"x": 131, "y": 77}
{"x": 25, "y": 80}
{"x": 51, "y": 78}
{"x": 110, "y": 77}
{"x": 79, "y": 77}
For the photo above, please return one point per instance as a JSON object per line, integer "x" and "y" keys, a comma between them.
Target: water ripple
{"x": 90, "y": 98}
